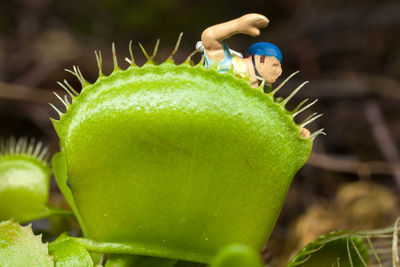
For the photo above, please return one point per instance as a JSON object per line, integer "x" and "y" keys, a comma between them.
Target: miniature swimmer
{"x": 263, "y": 60}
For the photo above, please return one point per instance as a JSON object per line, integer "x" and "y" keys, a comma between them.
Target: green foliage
{"x": 162, "y": 157}
{"x": 167, "y": 162}
{"x": 19, "y": 247}
{"x": 340, "y": 249}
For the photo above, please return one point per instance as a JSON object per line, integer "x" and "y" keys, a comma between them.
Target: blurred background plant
{"x": 349, "y": 50}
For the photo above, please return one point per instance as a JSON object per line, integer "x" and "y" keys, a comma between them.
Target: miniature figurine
{"x": 263, "y": 60}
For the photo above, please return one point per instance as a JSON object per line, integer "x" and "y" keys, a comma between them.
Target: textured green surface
{"x": 24, "y": 187}
{"x": 333, "y": 249}
{"x": 179, "y": 160}
{"x": 19, "y": 247}
{"x": 69, "y": 253}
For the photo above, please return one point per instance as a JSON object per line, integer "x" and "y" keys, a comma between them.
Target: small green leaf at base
{"x": 69, "y": 253}
{"x": 19, "y": 247}
{"x": 237, "y": 256}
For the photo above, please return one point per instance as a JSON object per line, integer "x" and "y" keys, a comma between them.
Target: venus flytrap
{"x": 164, "y": 163}
{"x": 176, "y": 161}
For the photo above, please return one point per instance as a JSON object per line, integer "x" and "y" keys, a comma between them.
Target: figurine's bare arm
{"x": 213, "y": 36}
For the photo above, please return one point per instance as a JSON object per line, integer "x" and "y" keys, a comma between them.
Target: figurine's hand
{"x": 252, "y": 23}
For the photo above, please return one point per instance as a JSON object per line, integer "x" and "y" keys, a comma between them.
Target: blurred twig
{"x": 382, "y": 135}
{"x": 362, "y": 168}
{"x": 344, "y": 85}
{"x": 40, "y": 72}
{"x": 26, "y": 93}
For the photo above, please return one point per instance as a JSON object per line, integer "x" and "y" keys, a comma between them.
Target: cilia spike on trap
{"x": 24, "y": 147}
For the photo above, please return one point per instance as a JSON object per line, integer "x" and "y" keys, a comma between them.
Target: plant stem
{"x": 129, "y": 260}
{"x": 59, "y": 212}
{"x": 140, "y": 249}
{"x": 48, "y": 212}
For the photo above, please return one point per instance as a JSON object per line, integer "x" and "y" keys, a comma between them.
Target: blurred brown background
{"x": 348, "y": 50}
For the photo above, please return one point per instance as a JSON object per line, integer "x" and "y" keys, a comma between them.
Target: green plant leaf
{"x": 69, "y": 253}
{"x": 60, "y": 174}
{"x": 237, "y": 256}
{"x": 160, "y": 158}
{"x": 19, "y": 247}
{"x": 339, "y": 249}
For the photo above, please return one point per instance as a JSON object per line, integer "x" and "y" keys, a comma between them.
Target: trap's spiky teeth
{"x": 304, "y": 108}
{"x": 310, "y": 119}
{"x": 43, "y": 155}
{"x": 18, "y": 146}
{"x": 99, "y": 61}
{"x": 71, "y": 88}
{"x": 262, "y": 84}
{"x": 128, "y": 60}
{"x": 178, "y": 42}
{"x": 299, "y": 106}
{"x": 189, "y": 58}
{"x": 23, "y": 146}
{"x": 66, "y": 100}
{"x": 155, "y": 50}
{"x": 375, "y": 248}
{"x": 29, "y": 150}
{"x": 37, "y": 149}
{"x": 395, "y": 241}
{"x": 144, "y": 51}
{"x": 150, "y": 59}
{"x": 69, "y": 92}
{"x": 287, "y": 99}
{"x": 283, "y": 83}
{"x": 132, "y": 60}
{"x": 56, "y": 109}
{"x": 78, "y": 74}
{"x": 114, "y": 56}
{"x": 202, "y": 59}
{"x": 62, "y": 100}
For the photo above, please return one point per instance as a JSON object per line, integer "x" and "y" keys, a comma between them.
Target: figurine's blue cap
{"x": 267, "y": 49}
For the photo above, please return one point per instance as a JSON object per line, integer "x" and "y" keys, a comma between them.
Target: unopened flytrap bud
{"x": 24, "y": 180}
{"x": 178, "y": 161}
